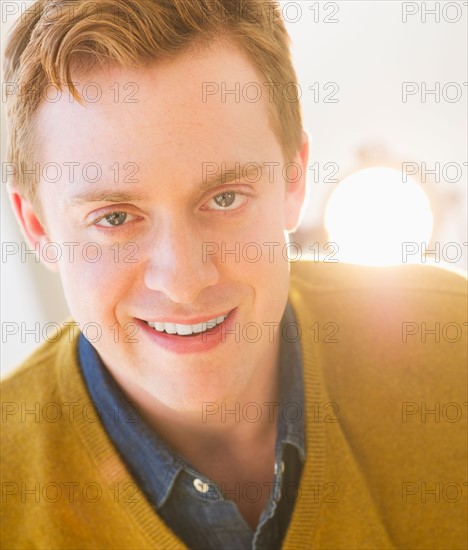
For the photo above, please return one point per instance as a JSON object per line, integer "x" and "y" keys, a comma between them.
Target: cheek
{"x": 258, "y": 257}
{"x": 94, "y": 281}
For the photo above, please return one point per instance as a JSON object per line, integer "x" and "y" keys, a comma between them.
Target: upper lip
{"x": 188, "y": 321}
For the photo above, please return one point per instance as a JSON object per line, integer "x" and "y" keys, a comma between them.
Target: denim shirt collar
{"x": 150, "y": 459}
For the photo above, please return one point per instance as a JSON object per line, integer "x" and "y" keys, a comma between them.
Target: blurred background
{"x": 384, "y": 95}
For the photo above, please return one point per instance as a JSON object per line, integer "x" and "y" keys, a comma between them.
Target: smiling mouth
{"x": 187, "y": 330}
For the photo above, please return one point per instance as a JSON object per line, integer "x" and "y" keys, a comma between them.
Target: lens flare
{"x": 373, "y": 212}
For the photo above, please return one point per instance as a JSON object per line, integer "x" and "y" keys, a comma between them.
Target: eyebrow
{"x": 209, "y": 182}
{"x": 228, "y": 176}
{"x": 104, "y": 195}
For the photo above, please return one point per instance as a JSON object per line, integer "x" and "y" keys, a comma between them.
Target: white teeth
{"x": 197, "y": 328}
{"x": 186, "y": 330}
{"x": 170, "y": 328}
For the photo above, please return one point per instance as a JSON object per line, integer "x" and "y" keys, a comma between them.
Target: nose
{"x": 176, "y": 266}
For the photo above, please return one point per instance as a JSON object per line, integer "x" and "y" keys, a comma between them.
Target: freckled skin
{"x": 168, "y": 134}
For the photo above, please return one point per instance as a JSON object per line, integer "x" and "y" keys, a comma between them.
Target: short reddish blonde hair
{"x": 56, "y": 38}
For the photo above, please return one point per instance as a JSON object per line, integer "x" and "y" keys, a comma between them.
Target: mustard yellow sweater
{"x": 386, "y": 423}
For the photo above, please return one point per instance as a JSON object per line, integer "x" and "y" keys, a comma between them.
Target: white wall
{"x": 368, "y": 53}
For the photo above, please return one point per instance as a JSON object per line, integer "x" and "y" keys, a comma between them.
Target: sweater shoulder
{"x": 322, "y": 277}
{"x": 36, "y": 376}
{"x": 392, "y": 327}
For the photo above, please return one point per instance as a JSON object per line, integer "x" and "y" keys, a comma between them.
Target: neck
{"x": 217, "y": 430}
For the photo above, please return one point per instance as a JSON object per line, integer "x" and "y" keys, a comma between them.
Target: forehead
{"x": 199, "y": 106}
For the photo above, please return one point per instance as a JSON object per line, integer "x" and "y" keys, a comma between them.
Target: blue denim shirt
{"x": 191, "y": 504}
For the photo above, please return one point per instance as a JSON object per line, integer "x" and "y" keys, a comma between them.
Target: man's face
{"x": 168, "y": 247}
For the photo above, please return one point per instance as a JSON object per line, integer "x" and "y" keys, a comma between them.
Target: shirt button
{"x": 201, "y": 486}
{"x": 282, "y": 467}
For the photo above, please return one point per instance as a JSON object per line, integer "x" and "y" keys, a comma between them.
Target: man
{"x": 198, "y": 398}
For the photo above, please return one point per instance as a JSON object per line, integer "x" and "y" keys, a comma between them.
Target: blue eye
{"x": 224, "y": 200}
{"x": 228, "y": 200}
{"x": 114, "y": 219}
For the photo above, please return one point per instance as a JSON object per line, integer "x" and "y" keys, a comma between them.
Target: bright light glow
{"x": 373, "y": 212}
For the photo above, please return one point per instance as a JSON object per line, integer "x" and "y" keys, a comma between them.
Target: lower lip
{"x": 195, "y": 343}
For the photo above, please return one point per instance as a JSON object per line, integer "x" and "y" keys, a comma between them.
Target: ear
{"x": 31, "y": 227}
{"x": 296, "y": 186}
